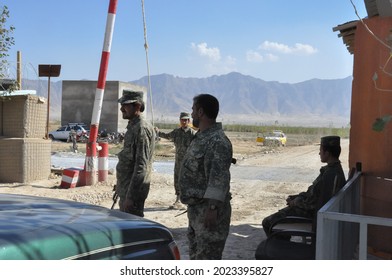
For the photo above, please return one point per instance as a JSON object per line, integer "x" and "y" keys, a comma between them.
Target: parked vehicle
{"x": 63, "y": 133}
{"x": 111, "y": 137}
{"x": 38, "y": 228}
{"x": 260, "y": 138}
{"x": 275, "y": 138}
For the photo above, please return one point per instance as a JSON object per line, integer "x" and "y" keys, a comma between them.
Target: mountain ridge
{"x": 247, "y": 99}
{"x": 243, "y": 99}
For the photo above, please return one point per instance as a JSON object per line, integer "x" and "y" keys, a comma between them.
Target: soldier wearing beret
{"x": 135, "y": 160}
{"x": 330, "y": 180}
{"x": 182, "y": 137}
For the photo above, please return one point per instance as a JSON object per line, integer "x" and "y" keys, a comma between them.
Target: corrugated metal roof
{"x": 347, "y": 32}
{"x": 382, "y": 8}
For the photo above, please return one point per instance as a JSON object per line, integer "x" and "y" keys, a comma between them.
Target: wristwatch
{"x": 213, "y": 207}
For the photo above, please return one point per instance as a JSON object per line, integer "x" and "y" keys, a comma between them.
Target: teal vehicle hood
{"x": 45, "y": 228}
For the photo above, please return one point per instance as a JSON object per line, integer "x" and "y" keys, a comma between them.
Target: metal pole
{"x": 91, "y": 148}
{"x": 19, "y": 70}
{"x": 47, "y": 113}
{"x": 48, "y": 70}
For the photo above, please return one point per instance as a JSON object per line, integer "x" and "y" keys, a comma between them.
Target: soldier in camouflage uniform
{"x": 330, "y": 180}
{"x": 205, "y": 182}
{"x": 181, "y": 137}
{"x": 72, "y": 136}
{"x": 135, "y": 160}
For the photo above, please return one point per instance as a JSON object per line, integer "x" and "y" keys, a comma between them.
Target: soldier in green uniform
{"x": 182, "y": 137}
{"x": 135, "y": 160}
{"x": 205, "y": 182}
{"x": 330, "y": 180}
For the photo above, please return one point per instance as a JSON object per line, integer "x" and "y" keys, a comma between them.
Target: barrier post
{"x": 90, "y": 164}
{"x": 103, "y": 162}
{"x": 91, "y": 151}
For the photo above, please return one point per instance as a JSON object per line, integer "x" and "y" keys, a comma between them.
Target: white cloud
{"x": 272, "y": 46}
{"x": 282, "y": 48}
{"x": 216, "y": 64}
{"x": 271, "y": 57}
{"x": 203, "y": 50}
{"x": 308, "y": 49}
{"x": 254, "y": 56}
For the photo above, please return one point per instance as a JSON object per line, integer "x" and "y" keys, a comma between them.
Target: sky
{"x": 288, "y": 41}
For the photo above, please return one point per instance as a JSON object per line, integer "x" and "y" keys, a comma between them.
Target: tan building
{"x": 78, "y": 103}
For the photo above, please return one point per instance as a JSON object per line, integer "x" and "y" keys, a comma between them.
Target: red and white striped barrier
{"x": 70, "y": 178}
{"x": 103, "y": 162}
{"x": 90, "y": 164}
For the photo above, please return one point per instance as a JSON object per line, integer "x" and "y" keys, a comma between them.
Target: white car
{"x": 63, "y": 132}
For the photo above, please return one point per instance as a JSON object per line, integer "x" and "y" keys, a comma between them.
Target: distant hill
{"x": 243, "y": 99}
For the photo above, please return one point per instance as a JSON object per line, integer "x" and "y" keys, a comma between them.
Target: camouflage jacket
{"x": 330, "y": 180}
{"x": 135, "y": 160}
{"x": 181, "y": 138}
{"x": 205, "y": 170}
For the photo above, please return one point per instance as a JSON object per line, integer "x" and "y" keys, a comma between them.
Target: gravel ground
{"x": 261, "y": 180}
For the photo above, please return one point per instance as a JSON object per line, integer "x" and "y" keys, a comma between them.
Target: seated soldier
{"x": 330, "y": 180}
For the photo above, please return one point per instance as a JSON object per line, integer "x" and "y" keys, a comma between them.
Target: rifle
{"x": 115, "y": 197}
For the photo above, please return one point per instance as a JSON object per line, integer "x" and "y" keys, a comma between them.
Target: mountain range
{"x": 243, "y": 99}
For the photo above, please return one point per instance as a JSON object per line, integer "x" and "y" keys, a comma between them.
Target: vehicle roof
{"x": 29, "y": 223}
{"x": 275, "y": 133}
{"x": 76, "y": 124}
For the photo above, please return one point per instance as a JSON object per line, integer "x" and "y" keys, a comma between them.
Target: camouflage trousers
{"x": 138, "y": 210}
{"x": 203, "y": 243}
{"x": 282, "y": 213}
{"x": 176, "y": 185}
{"x": 177, "y": 166}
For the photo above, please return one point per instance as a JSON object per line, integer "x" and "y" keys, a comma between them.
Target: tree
{"x": 6, "y": 41}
